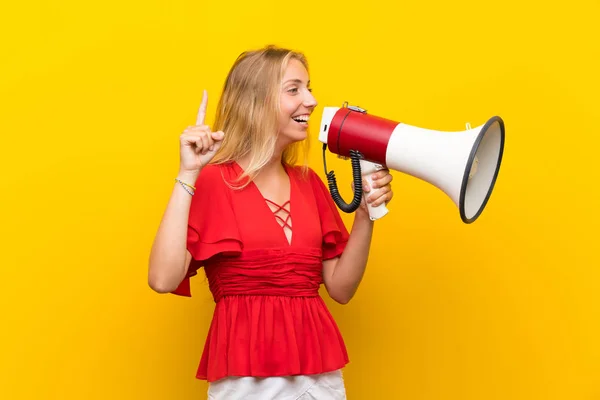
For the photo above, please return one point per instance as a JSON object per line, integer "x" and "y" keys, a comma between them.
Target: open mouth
{"x": 301, "y": 119}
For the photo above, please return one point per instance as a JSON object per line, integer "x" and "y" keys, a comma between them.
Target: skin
{"x": 169, "y": 257}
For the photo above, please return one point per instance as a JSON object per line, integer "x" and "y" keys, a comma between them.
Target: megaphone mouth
{"x": 482, "y": 169}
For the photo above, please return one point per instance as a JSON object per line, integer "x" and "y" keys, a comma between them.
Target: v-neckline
{"x": 268, "y": 209}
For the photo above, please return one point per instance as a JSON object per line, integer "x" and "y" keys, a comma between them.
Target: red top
{"x": 269, "y": 319}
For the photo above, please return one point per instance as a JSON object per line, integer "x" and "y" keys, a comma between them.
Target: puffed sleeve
{"x": 212, "y": 228}
{"x": 335, "y": 234}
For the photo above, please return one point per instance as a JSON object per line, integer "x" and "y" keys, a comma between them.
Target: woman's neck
{"x": 273, "y": 168}
{"x": 273, "y": 181}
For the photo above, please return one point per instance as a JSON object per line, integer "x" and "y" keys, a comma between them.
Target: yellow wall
{"x": 94, "y": 96}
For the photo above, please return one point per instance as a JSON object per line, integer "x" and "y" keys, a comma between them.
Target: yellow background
{"x": 94, "y": 96}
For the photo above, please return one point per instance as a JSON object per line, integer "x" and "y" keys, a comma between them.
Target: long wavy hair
{"x": 249, "y": 108}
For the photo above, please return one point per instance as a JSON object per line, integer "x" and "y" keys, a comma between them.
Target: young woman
{"x": 267, "y": 233}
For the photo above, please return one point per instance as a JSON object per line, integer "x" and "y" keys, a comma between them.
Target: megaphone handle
{"x": 367, "y": 169}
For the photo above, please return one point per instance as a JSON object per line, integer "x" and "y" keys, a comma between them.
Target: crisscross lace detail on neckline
{"x": 281, "y": 209}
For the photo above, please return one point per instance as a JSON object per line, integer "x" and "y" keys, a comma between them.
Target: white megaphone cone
{"x": 463, "y": 164}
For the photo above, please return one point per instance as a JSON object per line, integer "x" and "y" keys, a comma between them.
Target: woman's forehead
{"x": 295, "y": 71}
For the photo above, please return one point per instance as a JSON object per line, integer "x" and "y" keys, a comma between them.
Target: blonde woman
{"x": 267, "y": 233}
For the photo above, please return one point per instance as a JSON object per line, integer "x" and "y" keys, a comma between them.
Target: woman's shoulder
{"x": 215, "y": 174}
{"x": 309, "y": 180}
{"x": 211, "y": 170}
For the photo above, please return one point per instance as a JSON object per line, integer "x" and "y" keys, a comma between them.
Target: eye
{"x": 293, "y": 90}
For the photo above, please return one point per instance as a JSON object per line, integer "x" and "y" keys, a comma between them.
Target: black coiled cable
{"x": 355, "y": 158}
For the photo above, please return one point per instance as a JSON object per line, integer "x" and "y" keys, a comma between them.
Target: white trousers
{"x": 327, "y": 386}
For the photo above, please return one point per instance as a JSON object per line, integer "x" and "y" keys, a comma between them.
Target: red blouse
{"x": 269, "y": 319}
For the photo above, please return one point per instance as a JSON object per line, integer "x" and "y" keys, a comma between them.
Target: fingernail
{"x": 211, "y": 148}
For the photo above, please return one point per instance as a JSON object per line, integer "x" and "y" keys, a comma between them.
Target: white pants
{"x": 327, "y": 386}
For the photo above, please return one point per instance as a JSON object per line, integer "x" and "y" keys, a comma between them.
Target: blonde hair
{"x": 249, "y": 107}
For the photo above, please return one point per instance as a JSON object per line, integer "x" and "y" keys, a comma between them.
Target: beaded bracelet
{"x": 186, "y": 186}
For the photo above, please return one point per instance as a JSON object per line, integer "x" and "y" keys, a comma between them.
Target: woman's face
{"x": 297, "y": 104}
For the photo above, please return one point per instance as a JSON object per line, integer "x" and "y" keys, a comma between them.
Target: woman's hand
{"x": 198, "y": 144}
{"x": 380, "y": 193}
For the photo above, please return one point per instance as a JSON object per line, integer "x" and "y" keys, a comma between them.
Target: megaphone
{"x": 462, "y": 164}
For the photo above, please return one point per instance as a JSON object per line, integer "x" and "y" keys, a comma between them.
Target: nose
{"x": 309, "y": 100}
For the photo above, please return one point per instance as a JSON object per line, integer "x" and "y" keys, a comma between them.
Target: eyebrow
{"x": 297, "y": 81}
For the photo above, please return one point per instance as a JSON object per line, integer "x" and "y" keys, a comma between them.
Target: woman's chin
{"x": 292, "y": 137}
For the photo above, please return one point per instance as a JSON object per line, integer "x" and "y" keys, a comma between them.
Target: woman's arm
{"x": 342, "y": 275}
{"x": 169, "y": 257}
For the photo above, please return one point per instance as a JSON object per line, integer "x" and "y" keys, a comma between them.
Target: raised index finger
{"x": 202, "y": 109}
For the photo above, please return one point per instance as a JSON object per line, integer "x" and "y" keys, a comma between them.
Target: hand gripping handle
{"x": 367, "y": 169}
